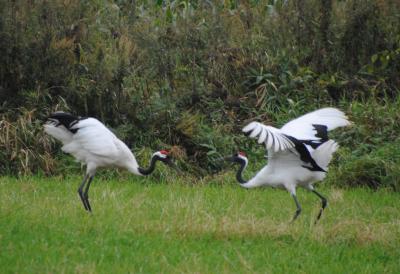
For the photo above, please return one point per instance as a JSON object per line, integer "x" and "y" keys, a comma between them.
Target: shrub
{"x": 189, "y": 74}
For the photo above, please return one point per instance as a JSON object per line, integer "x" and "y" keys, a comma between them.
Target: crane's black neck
{"x": 150, "y": 169}
{"x": 239, "y": 173}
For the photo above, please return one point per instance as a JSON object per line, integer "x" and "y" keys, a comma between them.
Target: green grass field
{"x": 142, "y": 227}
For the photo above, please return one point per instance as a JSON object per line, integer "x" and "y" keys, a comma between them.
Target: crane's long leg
{"x": 298, "y": 211}
{"x": 80, "y": 191}
{"x": 86, "y": 194}
{"x": 324, "y": 202}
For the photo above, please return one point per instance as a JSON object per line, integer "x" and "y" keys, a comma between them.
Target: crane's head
{"x": 163, "y": 156}
{"x": 238, "y": 158}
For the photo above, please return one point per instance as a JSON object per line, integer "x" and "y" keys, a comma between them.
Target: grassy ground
{"x": 142, "y": 227}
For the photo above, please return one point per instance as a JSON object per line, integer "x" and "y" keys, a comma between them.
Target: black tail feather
{"x": 65, "y": 119}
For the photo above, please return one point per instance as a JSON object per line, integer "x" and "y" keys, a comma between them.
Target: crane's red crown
{"x": 241, "y": 153}
{"x": 165, "y": 152}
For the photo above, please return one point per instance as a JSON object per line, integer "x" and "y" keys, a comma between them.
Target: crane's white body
{"x": 94, "y": 145}
{"x": 285, "y": 168}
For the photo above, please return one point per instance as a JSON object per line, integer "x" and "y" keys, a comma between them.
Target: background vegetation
{"x": 187, "y": 75}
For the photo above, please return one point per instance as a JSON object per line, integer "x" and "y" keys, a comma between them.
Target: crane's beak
{"x": 171, "y": 164}
{"x": 228, "y": 159}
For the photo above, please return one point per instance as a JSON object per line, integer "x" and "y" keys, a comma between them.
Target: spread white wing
{"x": 303, "y": 128}
{"x": 273, "y": 138}
{"x": 311, "y": 127}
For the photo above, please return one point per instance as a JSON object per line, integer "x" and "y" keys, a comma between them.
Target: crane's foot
{"x": 80, "y": 191}
{"x": 84, "y": 201}
{"x": 86, "y": 194}
{"x": 298, "y": 211}
{"x": 324, "y": 203}
{"x": 86, "y": 197}
{"x": 296, "y": 214}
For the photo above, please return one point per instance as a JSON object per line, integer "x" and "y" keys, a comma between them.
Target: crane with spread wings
{"x": 298, "y": 153}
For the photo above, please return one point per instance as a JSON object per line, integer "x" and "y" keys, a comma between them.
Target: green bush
{"x": 380, "y": 168}
{"x": 188, "y": 75}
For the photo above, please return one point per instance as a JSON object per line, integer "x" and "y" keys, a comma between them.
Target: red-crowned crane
{"x": 298, "y": 154}
{"x": 94, "y": 145}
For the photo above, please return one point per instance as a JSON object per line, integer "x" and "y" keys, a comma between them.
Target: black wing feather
{"x": 305, "y": 155}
